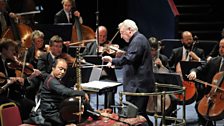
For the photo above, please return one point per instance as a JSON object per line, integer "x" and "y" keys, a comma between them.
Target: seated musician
{"x": 68, "y": 13}
{"x": 208, "y": 71}
{"x": 37, "y": 47}
{"x": 188, "y": 52}
{"x": 214, "y": 52}
{"x": 14, "y": 89}
{"x": 46, "y": 60}
{"x": 91, "y": 49}
{"x": 53, "y": 92}
{"x": 160, "y": 61}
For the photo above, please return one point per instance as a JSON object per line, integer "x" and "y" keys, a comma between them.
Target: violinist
{"x": 107, "y": 73}
{"x": 92, "y": 48}
{"x": 46, "y": 60}
{"x": 37, "y": 47}
{"x": 68, "y": 13}
{"x": 208, "y": 71}
{"x": 15, "y": 91}
{"x": 160, "y": 61}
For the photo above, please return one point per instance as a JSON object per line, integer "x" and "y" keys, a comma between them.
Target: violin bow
{"x": 114, "y": 36}
{"x": 24, "y": 62}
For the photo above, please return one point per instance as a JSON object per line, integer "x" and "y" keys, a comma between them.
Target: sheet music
{"x": 99, "y": 85}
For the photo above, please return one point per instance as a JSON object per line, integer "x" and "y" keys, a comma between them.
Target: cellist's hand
{"x": 192, "y": 75}
{"x": 194, "y": 56}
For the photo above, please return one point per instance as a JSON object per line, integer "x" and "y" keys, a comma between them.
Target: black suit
{"x": 61, "y": 17}
{"x": 177, "y": 53}
{"x": 45, "y": 63}
{"x": 138, "y": 74}
{"x": 207, "y": 72}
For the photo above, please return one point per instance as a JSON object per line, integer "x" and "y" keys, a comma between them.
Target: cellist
{"x": 208, "y": 71}
{"x": 188, "y": 52}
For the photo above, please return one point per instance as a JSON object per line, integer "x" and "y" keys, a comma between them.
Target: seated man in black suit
{"x": 68, "y": 13}
{"x": 188, "y": 52}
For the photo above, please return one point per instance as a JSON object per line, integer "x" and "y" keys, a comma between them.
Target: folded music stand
{"x": 187, "y": 66}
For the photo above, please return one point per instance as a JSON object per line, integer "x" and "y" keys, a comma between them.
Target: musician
{"x": 17, "y": 88}
{"x": 68, "y": 13}
{"x": 159, "y": 60}
{"x": 107, "y": 73}
{"x": 188, "y": 52}
{"x": 37, "y": 47}
{"x": 208, "y": 71}
{"x": 53, "y": 92}
{"x": 137, "y": 65}
{"x": 4, "y": 18}
{"x": 215, "y": 49}
{"x": 46, "y": 60}
{"x": 91, "y": 48}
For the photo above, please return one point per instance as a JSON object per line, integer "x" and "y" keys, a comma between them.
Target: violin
{"x": 4, "y": 85}
{"x": 109, "y": 49}
{"x": 17, "y": 65}
{"x": 211, "y": 105}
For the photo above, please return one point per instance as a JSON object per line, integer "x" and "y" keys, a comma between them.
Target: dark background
{"x": 153, "y": 17}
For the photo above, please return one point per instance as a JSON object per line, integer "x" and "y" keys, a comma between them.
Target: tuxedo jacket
{"x": 61, "y": 17}
{"x": 208, "y": 70}
{"x": 177, "y": 53}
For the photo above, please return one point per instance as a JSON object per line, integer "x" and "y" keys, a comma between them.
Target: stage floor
{"x": 191, "y": 115}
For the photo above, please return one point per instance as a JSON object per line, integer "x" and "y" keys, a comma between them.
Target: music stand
{"x": 168, "y": 78}
{"x": 94, "y": 59}
{"x": 186, "y": 67}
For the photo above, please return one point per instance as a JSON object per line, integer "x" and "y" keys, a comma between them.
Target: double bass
{"x": 18, "y": 30}
{"x": 211, "y": 106}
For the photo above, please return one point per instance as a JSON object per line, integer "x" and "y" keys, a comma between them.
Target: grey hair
{"x": 129, "y": 24}
{"x": 37, "y": 34}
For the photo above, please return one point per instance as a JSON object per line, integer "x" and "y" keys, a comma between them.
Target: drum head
{"x": 68, "y": 109}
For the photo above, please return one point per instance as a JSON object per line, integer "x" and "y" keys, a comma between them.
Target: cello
{"x": 190, "y": 88}
{"x": 19, "y": 31}
{"x": 211, "y": 106}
